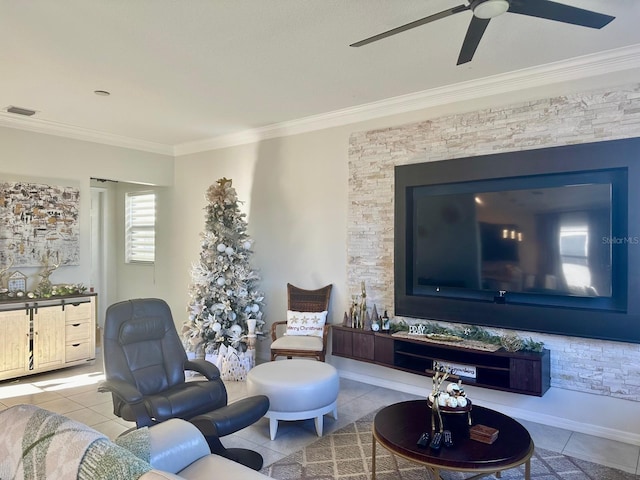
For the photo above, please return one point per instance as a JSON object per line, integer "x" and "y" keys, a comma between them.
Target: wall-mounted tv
{"x": 540, "y": 240}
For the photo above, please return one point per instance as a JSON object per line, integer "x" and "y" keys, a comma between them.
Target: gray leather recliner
{"x": 145, "y": 363}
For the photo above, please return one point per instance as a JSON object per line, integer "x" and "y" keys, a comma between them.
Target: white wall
{"x": 294, "y": 192}
{"x": 38, "y": 158}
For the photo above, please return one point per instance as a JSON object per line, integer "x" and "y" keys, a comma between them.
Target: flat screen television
{"x": 540, "y": 240}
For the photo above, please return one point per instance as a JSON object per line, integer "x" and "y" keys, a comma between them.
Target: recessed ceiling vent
{"x": 21, "y": 111}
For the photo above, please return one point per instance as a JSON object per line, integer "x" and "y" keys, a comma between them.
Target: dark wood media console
{"x": 519, "y": 372}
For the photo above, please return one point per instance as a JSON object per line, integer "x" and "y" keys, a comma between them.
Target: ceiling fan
{"x": 484, "y": 10}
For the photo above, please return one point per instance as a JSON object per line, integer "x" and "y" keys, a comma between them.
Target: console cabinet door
{"x": 525, "y": 375}
{"x": 363, "y": 345}
{"x": 14, "y": 349}
{"x": 48, "y": 337}
{"x": 352, "y": 343}
{"x": 342, "y": 344}
{"x": 384, "y": 349}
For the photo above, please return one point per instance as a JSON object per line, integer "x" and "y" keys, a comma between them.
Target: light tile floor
{"x": 73, "y": 392}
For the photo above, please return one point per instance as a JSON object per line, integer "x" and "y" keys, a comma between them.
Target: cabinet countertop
{"x": 7, "y": 304}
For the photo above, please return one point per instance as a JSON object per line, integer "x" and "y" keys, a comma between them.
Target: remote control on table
{"x": 436, "y": 443}
{"x": 448, "y": 439}
{"x": 423, "y": 441}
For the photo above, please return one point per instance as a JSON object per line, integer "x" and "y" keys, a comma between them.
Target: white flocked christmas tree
{"x": 224, "y": 296}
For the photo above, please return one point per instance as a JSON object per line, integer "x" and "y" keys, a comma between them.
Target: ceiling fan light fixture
{"x": 487, "y": 9}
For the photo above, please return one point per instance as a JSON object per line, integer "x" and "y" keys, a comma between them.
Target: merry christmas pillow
{"x": 305, "y": 323}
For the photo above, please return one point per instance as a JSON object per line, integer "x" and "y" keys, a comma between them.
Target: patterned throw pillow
{"x": 305, "y": 323}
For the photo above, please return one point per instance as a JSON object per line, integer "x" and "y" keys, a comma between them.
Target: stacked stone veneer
{"x": 595, "y": 366}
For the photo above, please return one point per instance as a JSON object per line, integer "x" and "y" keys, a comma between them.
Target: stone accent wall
{"x": 600, "y": 367}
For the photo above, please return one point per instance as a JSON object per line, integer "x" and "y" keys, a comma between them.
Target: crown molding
{"x": 603, "y": 63}
{"x": 588, "y": 66}
{"x": 78, "y": 133}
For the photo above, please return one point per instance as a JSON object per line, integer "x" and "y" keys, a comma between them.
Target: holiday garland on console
{"x": 224, "y": 297}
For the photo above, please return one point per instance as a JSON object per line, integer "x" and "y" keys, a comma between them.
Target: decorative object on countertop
{"x": 224, "y": 293}
{"x": 60, "y": 290}
{"x": 467, "y": 336}
{"x": 359, "y": 316}
{"x": 451, "y": 399}
{"x": 376, "y": 320}
{"x": 16, "y": 286}
{"x": 45, "y": 287}
{"x": 358, "y": 310}
{"x": 484, "y": 434}
{"x": 363, "y": 305}
{"x": 4, "y": 272}
{"x": 511, "y": 342}
{"x": 68, "y": 289}
{"x": 17, "y": 282}
{"x": 386, "y": 323}
{"x": 441, "y": 338}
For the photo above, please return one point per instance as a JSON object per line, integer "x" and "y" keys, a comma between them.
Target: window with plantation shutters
{"x": 140, "y": 228}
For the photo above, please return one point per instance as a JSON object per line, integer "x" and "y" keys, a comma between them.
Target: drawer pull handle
{"x": 75, "y": 345}
{"x": 75, "y": 325}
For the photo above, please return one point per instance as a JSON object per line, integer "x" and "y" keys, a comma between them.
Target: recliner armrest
{"x": 203, "y": 367}
{"x": 128, "y": 393}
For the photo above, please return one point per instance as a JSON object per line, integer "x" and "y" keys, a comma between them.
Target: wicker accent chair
{"x": 301, "y": 300}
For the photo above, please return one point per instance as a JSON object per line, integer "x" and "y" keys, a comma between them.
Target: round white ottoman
{"x": 297, "y": 390}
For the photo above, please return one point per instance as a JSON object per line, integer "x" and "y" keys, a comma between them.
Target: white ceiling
{"x": 189, "y": 71}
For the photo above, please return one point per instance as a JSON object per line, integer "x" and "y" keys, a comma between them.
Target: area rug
{"x": 346, "y": 455}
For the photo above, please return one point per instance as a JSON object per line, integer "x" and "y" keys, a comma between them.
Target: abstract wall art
{"x": 38, "y": 222}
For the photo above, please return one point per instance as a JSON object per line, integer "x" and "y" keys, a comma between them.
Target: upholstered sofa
{"x": 36, "y": 443}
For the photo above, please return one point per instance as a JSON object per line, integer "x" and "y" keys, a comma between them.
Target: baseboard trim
{"x": 544, "y": 419}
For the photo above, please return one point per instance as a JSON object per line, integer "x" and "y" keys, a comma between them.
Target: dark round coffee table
{"x": 398, "y": 427}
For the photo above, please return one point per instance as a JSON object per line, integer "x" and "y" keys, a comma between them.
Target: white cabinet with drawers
{"x": 79, "y": 332}
{"x": 46, "y": 334}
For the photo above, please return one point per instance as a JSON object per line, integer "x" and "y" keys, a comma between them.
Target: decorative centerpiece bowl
{"x": 451, "y": 399}
{"x": 446, "y": 409}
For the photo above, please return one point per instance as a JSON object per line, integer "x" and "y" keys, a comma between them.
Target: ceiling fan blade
{"x": 472, "y": 39}
{"x": 414, "y": 24}
{"x": 559, "y": 12}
